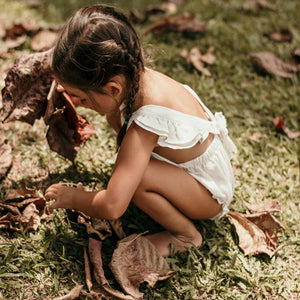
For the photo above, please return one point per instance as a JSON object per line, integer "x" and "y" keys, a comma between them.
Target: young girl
{"x": 174, "y": 155}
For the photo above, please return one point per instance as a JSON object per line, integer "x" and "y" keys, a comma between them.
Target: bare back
{"x": 162, "y": 90}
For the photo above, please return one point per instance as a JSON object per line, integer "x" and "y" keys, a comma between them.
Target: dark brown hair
{"x": 95, "y": 44}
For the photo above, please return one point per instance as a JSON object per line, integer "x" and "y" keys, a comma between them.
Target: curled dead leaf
{"x": 67, "y": 130}
{"x": 22, "y": 192}
{"x": 137, "y": 260}
{"x": 99, "y": 227}
{"x": 279, "y": 126}
{"x": 186, "y": 22}
{"x": 256, "y": 232}
{"x": 270, "y": 64}
{"x": 25, "y": 208}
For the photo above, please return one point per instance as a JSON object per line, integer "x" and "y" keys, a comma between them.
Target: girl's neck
{"x": 143, "y": 88}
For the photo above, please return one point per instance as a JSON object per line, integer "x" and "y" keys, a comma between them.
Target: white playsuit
{"x": 178, "y": 130}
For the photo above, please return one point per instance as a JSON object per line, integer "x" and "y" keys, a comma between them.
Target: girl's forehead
{"x": 71, "y": 89}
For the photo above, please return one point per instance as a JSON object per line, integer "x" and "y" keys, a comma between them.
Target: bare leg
{"x": 171, "y": 196}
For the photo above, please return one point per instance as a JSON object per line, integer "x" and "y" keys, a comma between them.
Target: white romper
{"x": 178, "y": 130}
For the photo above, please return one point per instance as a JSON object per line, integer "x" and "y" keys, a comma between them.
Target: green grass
{"x": 39, "y": 264}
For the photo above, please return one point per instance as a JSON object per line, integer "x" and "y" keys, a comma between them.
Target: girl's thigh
{"x": 181, "y": 189}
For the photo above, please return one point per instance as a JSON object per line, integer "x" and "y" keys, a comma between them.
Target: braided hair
{"x": 95, "y": 44}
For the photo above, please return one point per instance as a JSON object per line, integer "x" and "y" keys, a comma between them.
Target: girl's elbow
{"x": 113, "y": 208}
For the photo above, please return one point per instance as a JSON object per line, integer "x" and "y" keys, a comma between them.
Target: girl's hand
{"x": 62, "y": 194}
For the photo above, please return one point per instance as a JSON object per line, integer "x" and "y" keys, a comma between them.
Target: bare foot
{"x": 163, "y": 239}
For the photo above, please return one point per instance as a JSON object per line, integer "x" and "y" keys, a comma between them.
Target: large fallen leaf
{"x": 6, "y": 158}
{"x": 270, "y": 206}
{"x": 256, "y": 232}
{"x": 97, "y": 284}
{"x": 187, "y": 22}
{"x": 27, "y": 84}
{"x": 67, "y": 130}
{"x": 279, "y": 126}
{"x": 136, "y": 260}
{"x": 269, "y": 63}
{"x": 199, "y": 60}
{"x": 257, "y": 4}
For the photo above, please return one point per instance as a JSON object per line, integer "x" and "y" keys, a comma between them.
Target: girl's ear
{"x": 115, "y": 87}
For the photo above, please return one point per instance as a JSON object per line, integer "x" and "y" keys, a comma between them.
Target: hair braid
{"x": 136, "y": 66}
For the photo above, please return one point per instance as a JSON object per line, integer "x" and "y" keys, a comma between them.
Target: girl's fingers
{"x": 50, "y": 194}
{"x": 52, "y": 207}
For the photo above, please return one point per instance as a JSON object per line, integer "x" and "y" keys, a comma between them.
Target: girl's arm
{"x": 131, "y": 163}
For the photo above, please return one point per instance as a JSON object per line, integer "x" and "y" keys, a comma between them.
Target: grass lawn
{"x": 38, "y": 265}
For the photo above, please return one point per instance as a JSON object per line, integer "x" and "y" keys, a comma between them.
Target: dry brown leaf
{"x": 256, "y": 232}
{"x": 136, "y": 260}
{"x": 43, "y": 40}
{"x": 96, "y": 260}
{"x": 198, "y": 60}
{"x": 31, "y": 218}
{"x": 279, "y": 126}
{"x": 117, "y": 227}
{"x": 22, "y": 192}
{"x": 187, "y": 22}
{"x": 269, "y": 63}
{"x": 27, "y": 84}
{"x": 25, "y": 207}
{"x": 100, "y": 227}
{"x": 270, "y": 206}
{"x": 258, "y": 4}
{"x": 7, "y": 207}
{"x": 283, "y": 35}
{"x": 87, "y": 271}
{"x": 97, "y": 284}
{"x": 6, "y": 158}
{"x": 67, "y": 130}
{"x": 73, "y": 294}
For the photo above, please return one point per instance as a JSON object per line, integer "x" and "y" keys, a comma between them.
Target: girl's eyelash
{"x": 82, "y": 101}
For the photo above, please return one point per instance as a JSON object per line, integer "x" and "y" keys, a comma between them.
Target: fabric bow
{"x": 226, "y": 140}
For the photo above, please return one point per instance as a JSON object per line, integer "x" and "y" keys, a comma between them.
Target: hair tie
{"x": 125, "y": 122}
